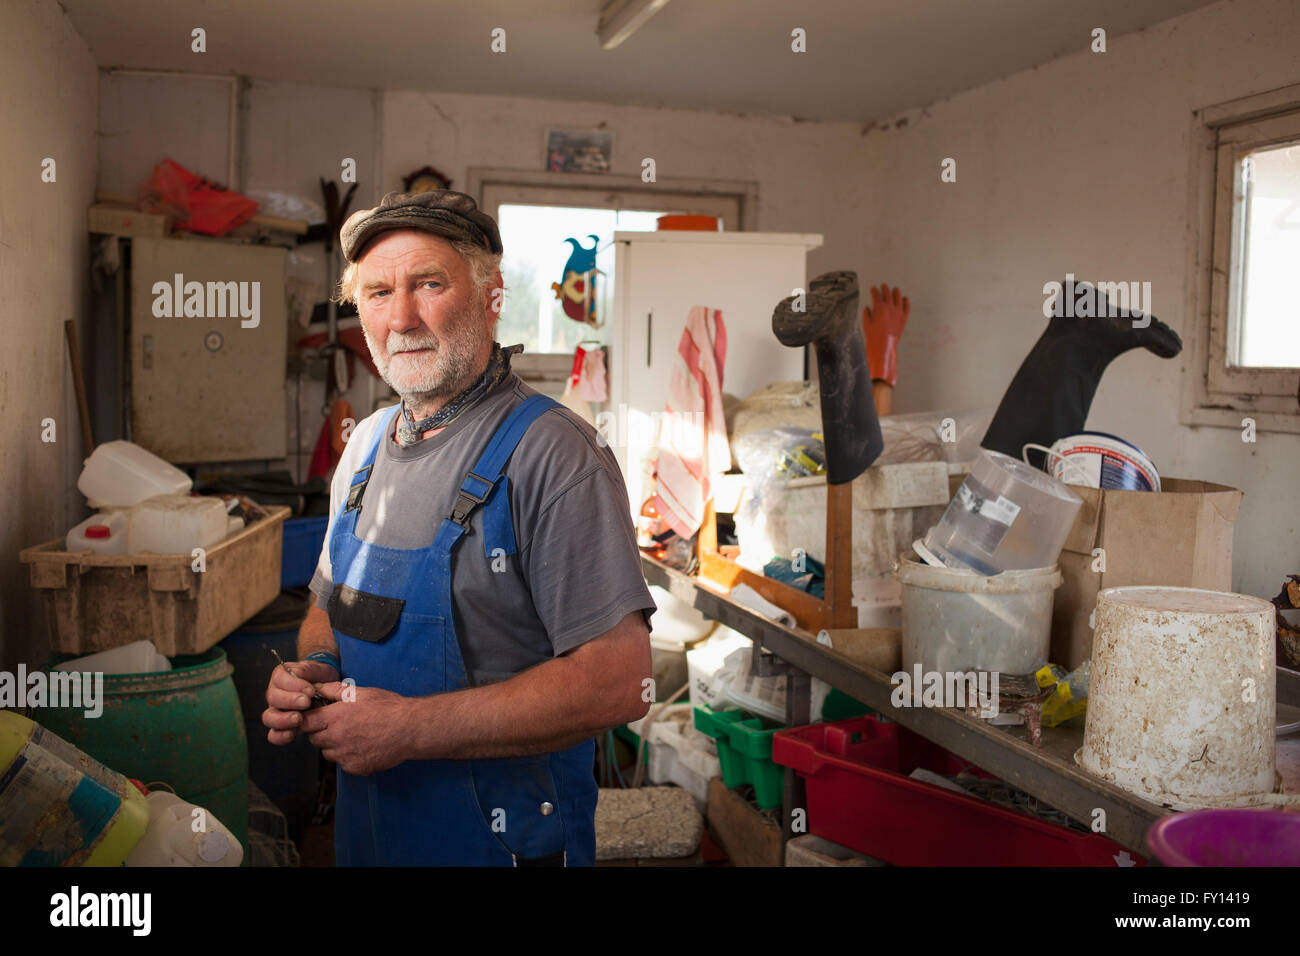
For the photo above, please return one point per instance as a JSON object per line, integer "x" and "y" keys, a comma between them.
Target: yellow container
{"x": 59, "y": 807}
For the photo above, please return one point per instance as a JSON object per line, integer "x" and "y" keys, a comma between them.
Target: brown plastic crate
{"x": 96, "y": 602}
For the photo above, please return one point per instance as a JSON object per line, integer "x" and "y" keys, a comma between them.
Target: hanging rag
{"x": 588, "y": 377}
{"x": 693, "y": 438}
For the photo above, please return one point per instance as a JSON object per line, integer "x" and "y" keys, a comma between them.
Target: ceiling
{"x": 866, "y": 59}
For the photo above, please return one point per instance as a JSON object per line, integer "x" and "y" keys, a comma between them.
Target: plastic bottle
{"x": 60, "y": 807}
{"x": 100, "y": 533}
{"x": 122, "y": 473}
{"x": 180, "y": 836}
{"x": 176, "y": 524}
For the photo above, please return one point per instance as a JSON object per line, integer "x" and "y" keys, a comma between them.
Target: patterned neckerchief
{"x": 409, "y": 430}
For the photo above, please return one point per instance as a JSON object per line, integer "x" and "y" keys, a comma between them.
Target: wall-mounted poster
{"x": 578, "y": 151}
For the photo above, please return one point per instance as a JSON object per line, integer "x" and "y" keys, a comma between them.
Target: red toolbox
{"x": 859, "y": 795}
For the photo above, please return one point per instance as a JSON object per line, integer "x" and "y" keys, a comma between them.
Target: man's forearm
{"x": 547, "y": 708}
{"x": 316, "y": 634}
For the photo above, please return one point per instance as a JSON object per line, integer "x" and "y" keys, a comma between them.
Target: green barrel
{"x": 181, "y": 727}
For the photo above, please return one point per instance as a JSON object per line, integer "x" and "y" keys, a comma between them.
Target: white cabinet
{"x": 658, "y": 278}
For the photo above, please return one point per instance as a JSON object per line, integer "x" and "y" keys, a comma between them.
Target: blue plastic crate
{"x": 303, "y": 540}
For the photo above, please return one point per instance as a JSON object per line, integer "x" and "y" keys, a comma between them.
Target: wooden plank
{"x": 840, "y": 611}
{"x": 725, "y": 574}
{"x": 749, "y": 837}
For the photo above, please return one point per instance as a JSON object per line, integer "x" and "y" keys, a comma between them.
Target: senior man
{"x": 480, "y": 610}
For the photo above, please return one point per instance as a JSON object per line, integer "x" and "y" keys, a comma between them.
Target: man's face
{"x": 428, "y": 328}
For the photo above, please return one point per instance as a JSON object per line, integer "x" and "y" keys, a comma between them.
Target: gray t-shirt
{"x": 576, "y": 572}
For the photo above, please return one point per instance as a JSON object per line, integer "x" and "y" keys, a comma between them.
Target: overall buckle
{"x": 467, "y": 501}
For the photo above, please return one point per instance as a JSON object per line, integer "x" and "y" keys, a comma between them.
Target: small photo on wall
{"x": 578, "y": 151}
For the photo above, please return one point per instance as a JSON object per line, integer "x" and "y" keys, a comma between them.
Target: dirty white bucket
{"x": 959, "y": 621}
{"x": 1181, "y": 708}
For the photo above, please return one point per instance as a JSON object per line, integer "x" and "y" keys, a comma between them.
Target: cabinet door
{"x": 207, "y": 364}
{"x": 662, "y": 281}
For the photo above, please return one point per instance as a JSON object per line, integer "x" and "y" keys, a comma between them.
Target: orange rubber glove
{"x": 882, "y": 324}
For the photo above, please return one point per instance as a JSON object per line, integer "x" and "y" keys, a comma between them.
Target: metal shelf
{"x": 1047, "y": 772}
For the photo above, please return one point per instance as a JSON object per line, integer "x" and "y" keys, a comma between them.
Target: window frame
{"x": 1213, "y": 392}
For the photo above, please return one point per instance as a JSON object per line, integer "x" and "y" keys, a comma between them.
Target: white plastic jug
{"x": 179, "y": 836}
{"x": 176, "y": 524}
{"x": 100, "y": 533}
{"x": 122, "y": 473}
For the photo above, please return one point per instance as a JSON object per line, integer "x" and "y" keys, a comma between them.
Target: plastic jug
{"x": 177, "y": 524}
{"x": 101, "y": 533}
{"x": 59, "y": 806}
{"x": 122, "y": 473}
{"x": 180, "y": 836}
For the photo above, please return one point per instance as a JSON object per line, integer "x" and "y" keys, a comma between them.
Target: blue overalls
{"x": 391, "y": 612}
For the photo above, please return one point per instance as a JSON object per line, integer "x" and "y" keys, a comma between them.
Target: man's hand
{"x": 365, "y": 731}
{"x": 288, "y": 695}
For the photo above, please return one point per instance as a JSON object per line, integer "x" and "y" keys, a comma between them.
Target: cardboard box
{"x": 1180, "y": 536}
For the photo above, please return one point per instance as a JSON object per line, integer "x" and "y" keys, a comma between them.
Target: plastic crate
{"x": 95, "y": 602}
{"x": 745, "y": 751}
{"x": 859, "y": 795}
{"x": 303, "y": 540}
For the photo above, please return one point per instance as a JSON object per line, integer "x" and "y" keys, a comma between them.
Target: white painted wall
{"x": 1079, "y": 166}
{"x": 48, "y": 93}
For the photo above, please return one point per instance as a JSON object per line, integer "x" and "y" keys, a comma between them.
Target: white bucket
{"x": 959, "y": 621}
{"x": 1181, "y": 708}
{"x": 1099, "y": 460}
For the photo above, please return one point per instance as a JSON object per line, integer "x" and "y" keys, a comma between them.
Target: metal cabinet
{"x": 207, "y": 350}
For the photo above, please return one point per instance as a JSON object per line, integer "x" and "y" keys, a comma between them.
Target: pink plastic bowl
{"x": 1237, "y": 837}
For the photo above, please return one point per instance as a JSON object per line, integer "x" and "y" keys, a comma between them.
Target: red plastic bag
{"x": 195, "y": 203}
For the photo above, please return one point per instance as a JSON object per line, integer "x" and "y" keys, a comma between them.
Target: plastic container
{"x": 859, "y": 796}
{"x": 745, "y": 752}
{"x": 1227, "y": 838}
{"x": 958, "y": 621}
{"x": 1006, "y": 516}
{"x": 138, "y": 657}
{"x": 303, "y": 540}
{"x": 1182, "y": 699}
{"x": 678, "y": 753}
{"x": 174, "y": 837}
{"x": 1099, "y": 460}
{"x": 60, "y": 807}
{"x": 95, "y": 602}
{"x": 101, "y": 533}
{"x": 680, "y": 221}
{"x": 122, "y": 473}
{"x": 182, "y": 728}
{"x": 176, "y": 524}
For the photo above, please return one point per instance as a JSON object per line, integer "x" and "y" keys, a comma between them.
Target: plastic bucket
{"x": 1183, "y": 696}
{"x": 1098, "y": 460}
{"x": 959, "y": 621}
{"x": 1227, "y": 838}
{"x": 180, "y": 727}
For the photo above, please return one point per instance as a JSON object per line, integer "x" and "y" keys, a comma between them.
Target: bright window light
{"x": 1268, "y": 310}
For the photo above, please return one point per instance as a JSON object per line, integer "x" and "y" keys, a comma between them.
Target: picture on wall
{"x": 578, "y": 151}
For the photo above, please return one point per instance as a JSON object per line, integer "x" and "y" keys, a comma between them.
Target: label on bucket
{"x": 998, "y": 512}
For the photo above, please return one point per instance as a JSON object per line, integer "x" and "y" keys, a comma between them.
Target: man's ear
{"x": 494, "y": 297}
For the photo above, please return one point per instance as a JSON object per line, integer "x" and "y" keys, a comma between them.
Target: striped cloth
{"x": 693, "y": 436}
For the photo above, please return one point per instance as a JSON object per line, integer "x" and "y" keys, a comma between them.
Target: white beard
{"x": 439, "y": 374}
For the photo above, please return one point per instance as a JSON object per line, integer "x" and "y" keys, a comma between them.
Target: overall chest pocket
{"x": 384, "y": 645}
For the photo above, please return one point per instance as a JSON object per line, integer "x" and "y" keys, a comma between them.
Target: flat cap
{"x": 442, "y": 212}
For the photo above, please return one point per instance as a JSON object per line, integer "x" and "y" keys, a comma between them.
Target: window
{"x": 1247, "y": 330}
{"x": 538, "y": 211}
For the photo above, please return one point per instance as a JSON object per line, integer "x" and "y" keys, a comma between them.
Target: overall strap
{"x": 357, "y": 486}
{"x": 483, "y": 477}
